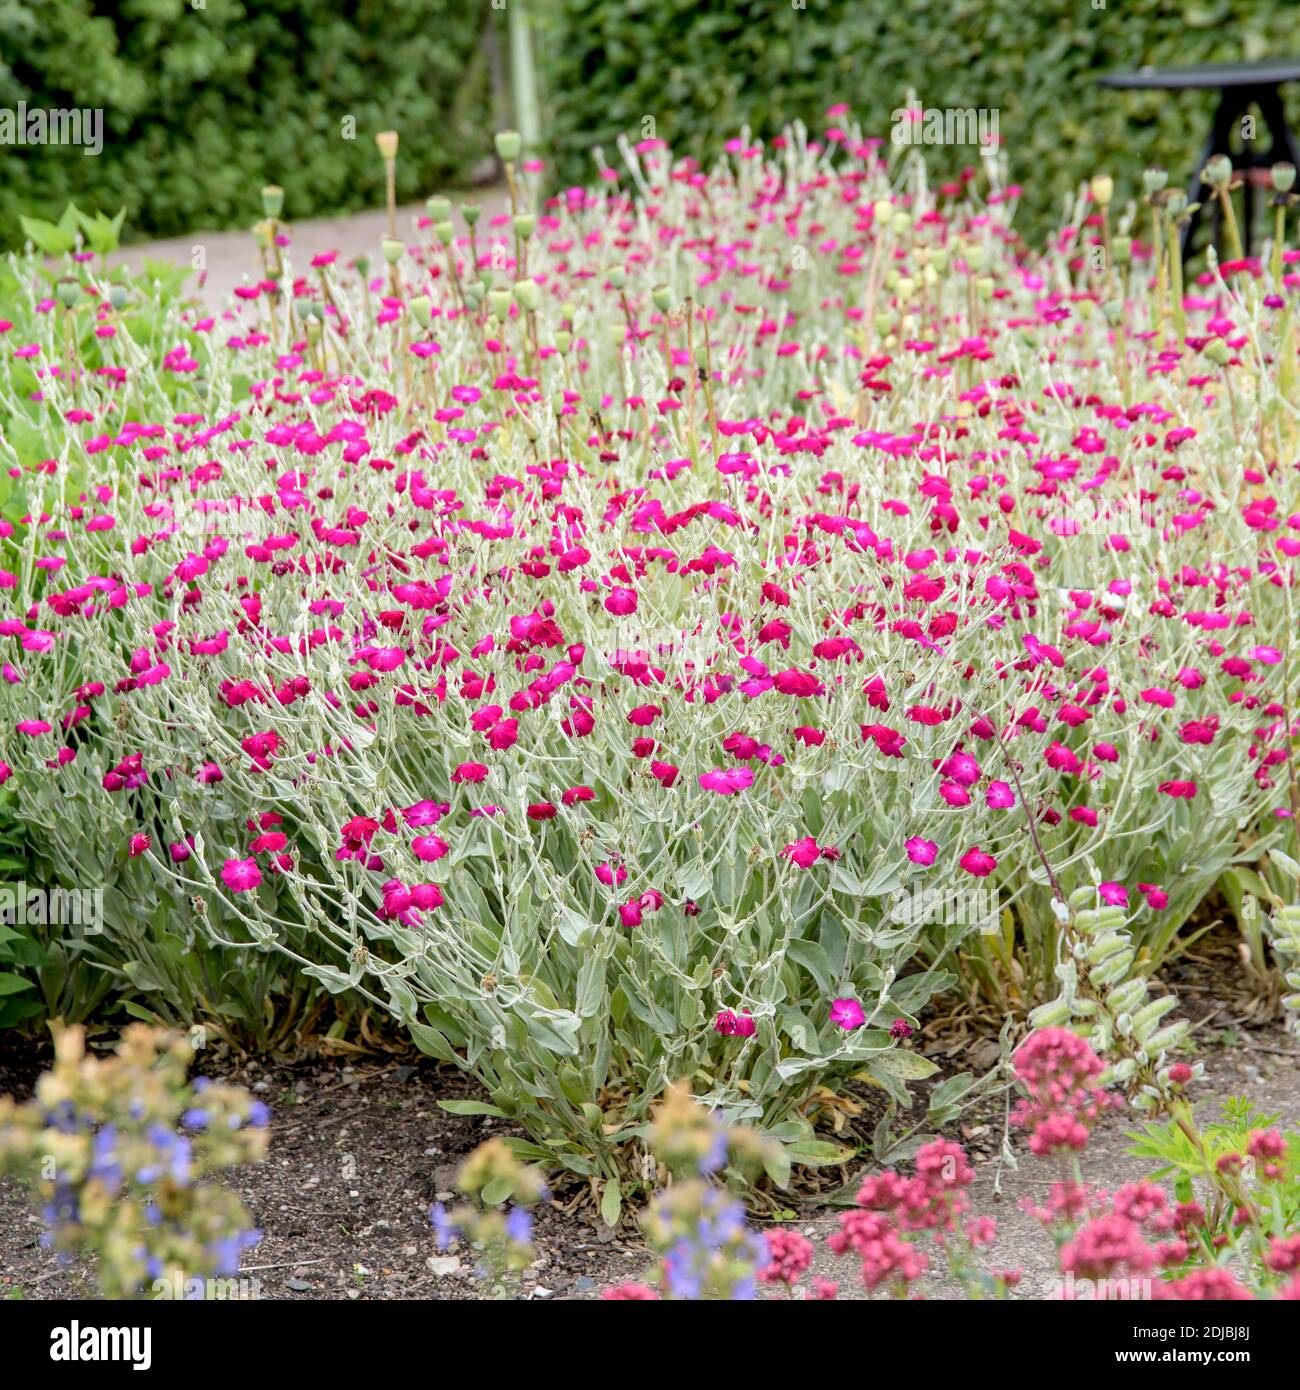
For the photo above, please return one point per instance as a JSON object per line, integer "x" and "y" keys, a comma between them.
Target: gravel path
{"x": 230, "y": 258}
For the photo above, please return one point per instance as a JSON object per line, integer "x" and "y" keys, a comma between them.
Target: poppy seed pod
{"x": 438, "y": 208}
{"x": 509, "y": 144}
{"x": 117, "y": 296}
{"x": 662, "y": 297}
{"x": 392, "y": 249}
{"x": 524, "y": 224}
{"x": 1283, "y": 177}
{"x": 68, "y": 293}
{"x": 272, "y": 200}
{"x": 387, "y": 142}
{"x": 1103, "y": 189}
{"x": 499, "y": 304}
{"x": 1218, "y": 352}
{"x": 527, "y": 295}
{"x": 1123, "y": 248}
{"x": 471, "y": 212}
{"x": 1154, "y": 179}
{"x": 1218, "y": 171}
{"x": 445, "y": 233}
{"x": 618, "y": 277}
{"x": 422, "y": 311}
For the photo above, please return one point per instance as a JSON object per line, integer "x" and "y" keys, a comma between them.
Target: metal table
{"x": 1240, "y": 86}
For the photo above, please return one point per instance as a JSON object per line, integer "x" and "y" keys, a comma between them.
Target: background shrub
{"x": 204, "y": 106}
{"x": 703, "y": 71}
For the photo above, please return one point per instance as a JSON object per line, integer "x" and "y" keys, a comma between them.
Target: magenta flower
{"x": 728, "y": 782}
{"x": 847, "y": 1014}
{"x": 239, "y": 875}
{"x": 921, "y": 851}
{"x": 978, "y": 862}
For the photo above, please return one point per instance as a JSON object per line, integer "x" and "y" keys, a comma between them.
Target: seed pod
{"x": 509, "y": 144}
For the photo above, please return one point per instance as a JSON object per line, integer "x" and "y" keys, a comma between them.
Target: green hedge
{"x": 704, "y": 70}
{"x": 204, "y": 101}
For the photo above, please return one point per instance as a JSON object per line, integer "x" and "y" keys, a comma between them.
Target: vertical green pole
{"x": 523, "y": 76}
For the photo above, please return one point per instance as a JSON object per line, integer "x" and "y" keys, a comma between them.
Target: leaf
{"x": 906, "y": 1066}
{"x": 818, "y": 1153}
{"x": 431, "y": 1042}
{"x": 13, "y": 984}
{"x": 471, "y": 1107}
{"x": 611, "y": 1202}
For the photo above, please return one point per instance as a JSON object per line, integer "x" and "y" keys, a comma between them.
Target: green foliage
{"x": 202, "y": 106}
{"x": 703, "y": 71}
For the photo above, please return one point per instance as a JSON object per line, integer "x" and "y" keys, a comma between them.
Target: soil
{"x": 360, "y": 1149}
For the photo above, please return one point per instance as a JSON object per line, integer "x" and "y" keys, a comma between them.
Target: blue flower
{"x": 445, "y": 1230}
{"x": 519, "y": 1225}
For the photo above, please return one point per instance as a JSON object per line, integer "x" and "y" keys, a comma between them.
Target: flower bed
{"x": 670, "y": 634}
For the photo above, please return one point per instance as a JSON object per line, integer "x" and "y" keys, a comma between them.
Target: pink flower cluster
{"x": 1059, "y": 1070}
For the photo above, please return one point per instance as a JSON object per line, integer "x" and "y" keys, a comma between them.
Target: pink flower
{"x": 921, "y": 851}
{"x": 621, "y": 602}
{"x": 140, "y": 842}
{"x": 728, "y": 782}
{"x": 847, "y": 1014}
{"x": 239, "y": 875}
{"x": 999, "y": 796}
{"x": 429, "y": 848}
{"x": 978, "y": 862}
{"x": 803, "y": 853}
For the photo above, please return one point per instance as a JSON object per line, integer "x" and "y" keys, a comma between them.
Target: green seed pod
{"x": 1154, "y": 179}
{"x": 272, "y": 200}
{"x": 509, "y": 145}
{"x": 524, "y": 224}
{"x": 1218, "y": 171}
{"x": 68, "y": 292}
{"x": 362, "y": 264}
{"x": 422, "y": 311}
{"x": 528, "y": 295}
{"x": 438, "y": 208}
{"x": 563, "y": 341}
{"x": 392, "y": 249}
{"x": 1123, "y": 248}
{"x": 474, "y": 292}
{"x": 1283, "y": 177}
{"x": 662, "y": 298}
{"x": 618, "y": 277}
{"x": 118, "y": 296}
{"x": 445, "y": 232}
{"x": 1218, "y": 352}
{"x": 471, "y": 212}
{"x": 499, "y": 304}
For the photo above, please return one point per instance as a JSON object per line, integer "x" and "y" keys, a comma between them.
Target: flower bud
{"x": 387, "y": 142}
{"x": 509, "y": 144}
